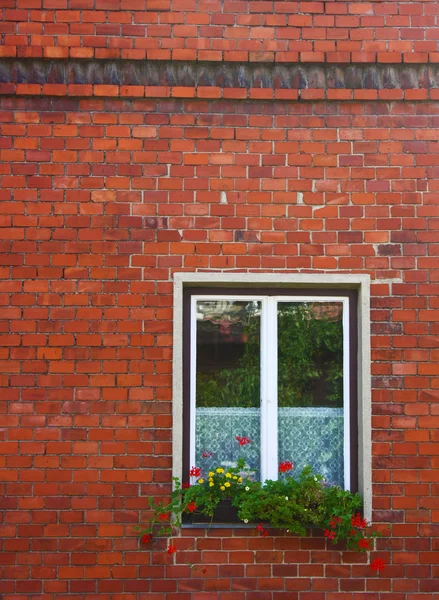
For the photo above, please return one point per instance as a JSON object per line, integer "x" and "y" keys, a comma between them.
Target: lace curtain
{"x": 307, "y": 436}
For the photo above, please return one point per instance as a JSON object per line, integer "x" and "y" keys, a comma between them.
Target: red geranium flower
{"x": 171, "y": 549}
{"x": 363, "y": 543}
{"x": 206, "y": 454}
{"x": 335, "y": 521}
{"x": 243, "y": 441}
{"x": 185, "y": 486}
{"x": 164, "y": 517}
{"x": 261, "y": 530}
{"x": 358, "y": 521}
{"x": 286, "y": 466}
{"x": 146, "y": 538}
{"x": 329, "y": 534}
{"x": 195, "y": 472}
{"x": 191, "y": 507}
{"x": 378, "y": 565}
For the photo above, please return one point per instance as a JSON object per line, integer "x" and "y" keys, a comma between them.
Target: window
{"x": 279, "y": 364}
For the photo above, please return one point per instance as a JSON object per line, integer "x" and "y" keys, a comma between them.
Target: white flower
{"x": 247, "y": 488}
{"x": 245, "y": 520}
{"x": 305, "y": 509}
{"x": 315, "y": 479}
{"x": 286, "y": 497}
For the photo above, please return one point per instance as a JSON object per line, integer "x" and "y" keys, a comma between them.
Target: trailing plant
{"x": 292, "y": 503}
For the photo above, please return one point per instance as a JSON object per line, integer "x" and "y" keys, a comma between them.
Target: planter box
{"x": 225, "y": 513}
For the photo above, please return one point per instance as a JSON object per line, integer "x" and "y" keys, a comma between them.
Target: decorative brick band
{"x": 217, "y": 56}
{"x": 206, "y": 92}
{"x": 227, "y": 75}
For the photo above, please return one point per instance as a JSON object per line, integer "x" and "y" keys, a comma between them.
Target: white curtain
{"x": 307, "y": 436}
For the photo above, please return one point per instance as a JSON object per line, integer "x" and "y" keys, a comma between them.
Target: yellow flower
{"x": 240, "y": 480}
{"x": 228, "y": 475}
{"x": 211, "y": 473}
{"x": 200, "y": 481}
{"x": 211, "y": 484}
{"x": 235, "y": 476}
{"x": 227, "y": 484}
{"x": 210, "y": 479}
{"x": 222, "y": 488}
{"x": 220, "y": 470}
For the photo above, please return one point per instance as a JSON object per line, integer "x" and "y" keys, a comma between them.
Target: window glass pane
{"x": 310, "y": 387}
{"x": 228, "y": 381}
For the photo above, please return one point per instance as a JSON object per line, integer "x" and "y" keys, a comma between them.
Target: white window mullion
{"x": 193, "y": 379}
{"x": 269, "y": 444}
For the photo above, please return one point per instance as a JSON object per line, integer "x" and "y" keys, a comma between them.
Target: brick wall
{"x": 102, "y": 200}
{"x": 231, "y": 30}
{"x": 113, "y": 176}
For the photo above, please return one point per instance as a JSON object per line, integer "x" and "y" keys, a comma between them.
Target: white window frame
{"x": 269, "y": 375}
{"x": 256, "y": 282}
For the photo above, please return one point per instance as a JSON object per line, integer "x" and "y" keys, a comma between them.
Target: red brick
{"x": 107, "y": 190}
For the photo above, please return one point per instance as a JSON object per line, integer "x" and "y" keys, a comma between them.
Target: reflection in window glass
{"x": 228, "y": 381}
{"x": 310, "y": 387}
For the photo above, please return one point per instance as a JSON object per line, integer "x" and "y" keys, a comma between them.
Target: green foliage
{"x": 226, "y": 484}
{"x": 292, "y": 504}
{"x": 231, "y": 387}
{"x": 310, "y": 350}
